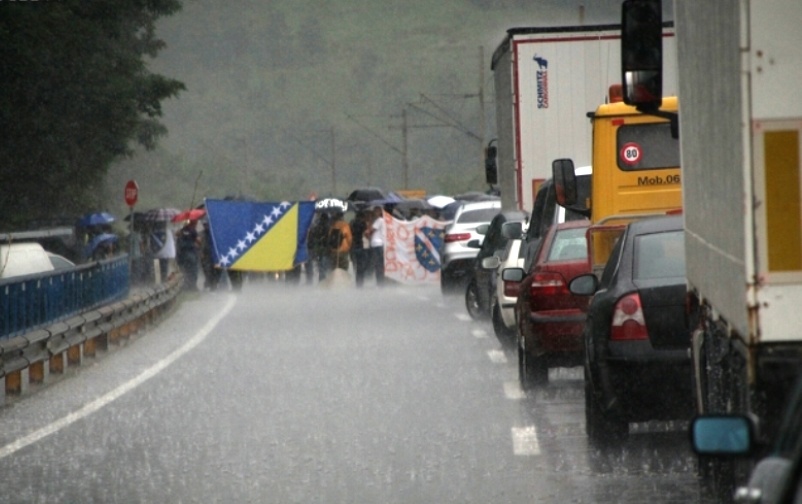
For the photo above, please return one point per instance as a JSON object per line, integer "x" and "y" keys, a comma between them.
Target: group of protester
{"x": 335, "y": 243}
{"x": 187, "y": 248}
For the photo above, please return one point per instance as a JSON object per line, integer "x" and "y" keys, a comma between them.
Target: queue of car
{"x": 626, "y": 327}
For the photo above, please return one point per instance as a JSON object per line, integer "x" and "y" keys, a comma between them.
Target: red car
{"x": 550, "y": 318}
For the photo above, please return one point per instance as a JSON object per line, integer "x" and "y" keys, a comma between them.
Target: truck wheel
{"x": 721, "y": 393}
{"x": 603, "y": 429}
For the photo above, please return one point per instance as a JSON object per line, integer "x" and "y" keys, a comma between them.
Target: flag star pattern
{"x": 254, "y": 236}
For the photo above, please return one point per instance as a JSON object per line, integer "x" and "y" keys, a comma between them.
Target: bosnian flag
{"x": 254, "y": 236}
{"x": 412, "y": 249}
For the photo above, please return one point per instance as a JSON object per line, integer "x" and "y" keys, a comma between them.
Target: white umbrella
{"x": 440, "y": 201}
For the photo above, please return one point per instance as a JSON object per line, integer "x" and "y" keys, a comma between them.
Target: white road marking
{"x": 524, "y": 441}
{"x": 497, "y": 356}
{"x": 121, "y": 390}
{"x": 513, "y": 390}
{"x": 479, "y": 333}
{"x": 464, "y": 317}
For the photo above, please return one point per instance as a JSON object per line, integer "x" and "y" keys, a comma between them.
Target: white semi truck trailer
{"x": 740, "y": 132}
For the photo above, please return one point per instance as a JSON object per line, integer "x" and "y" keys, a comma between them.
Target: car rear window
{"x": 569, "y": 245}
{"x": 479, "y": 215}
{"x": 660, "y": 255}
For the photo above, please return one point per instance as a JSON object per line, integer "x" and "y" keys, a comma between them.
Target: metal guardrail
{"x": 32, "y": 356}
{"x": 32, "y": 301}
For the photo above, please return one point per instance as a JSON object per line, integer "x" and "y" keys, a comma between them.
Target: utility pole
{"x": 331, "y": 160}
{"x": 405, "y": 156}
{"x": 333, "y": 164}
{"x": 482, "y": 125}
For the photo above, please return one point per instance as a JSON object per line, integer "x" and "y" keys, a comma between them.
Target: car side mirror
{"x": 584, "y": 285}
{"x": 482, "y": 229}
{"x": 722, "y": 435}
{"x": 491, "y": 263}
{"x": 474, "y": 244}
{"x": 513, "y": 274}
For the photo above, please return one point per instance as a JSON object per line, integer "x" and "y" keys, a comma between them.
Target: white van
{"x": 17, "y": 259}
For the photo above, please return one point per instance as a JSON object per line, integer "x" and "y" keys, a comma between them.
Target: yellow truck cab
{"x": 636, "y": 172}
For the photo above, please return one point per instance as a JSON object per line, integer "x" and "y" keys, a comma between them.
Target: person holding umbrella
{"x": 187, "y": 254}
{"x": 161, "y": 239}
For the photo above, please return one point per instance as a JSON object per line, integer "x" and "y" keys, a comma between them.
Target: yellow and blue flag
{"x": 256, "y": 236}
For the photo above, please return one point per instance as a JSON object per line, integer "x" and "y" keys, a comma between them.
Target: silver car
{"x": 458, "y": 257}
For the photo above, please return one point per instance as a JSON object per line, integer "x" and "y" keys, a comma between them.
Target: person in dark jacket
{"x": 360, "y": 247}
{"x": 188, "y": 245}
{"x": 211, "y": 274}
{"x": 317, "y": 246}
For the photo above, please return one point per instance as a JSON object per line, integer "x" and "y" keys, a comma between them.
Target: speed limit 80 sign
{"x": 631, "y": 153}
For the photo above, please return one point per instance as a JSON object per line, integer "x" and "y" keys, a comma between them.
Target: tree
{"x": 77, "y": 94}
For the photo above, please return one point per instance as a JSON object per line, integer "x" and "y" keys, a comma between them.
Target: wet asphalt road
{"x": 301, "y": 394}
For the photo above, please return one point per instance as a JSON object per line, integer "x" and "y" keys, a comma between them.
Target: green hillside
{"x": 279, "y": 93}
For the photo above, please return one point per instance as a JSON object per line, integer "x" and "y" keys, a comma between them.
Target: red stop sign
{"x": 131, "y": 193}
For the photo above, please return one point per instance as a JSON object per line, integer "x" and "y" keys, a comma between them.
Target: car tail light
{"x": 456, "y": 237}
{"x": 628, "y": 321}
{"x": 511, "y": 289}
{"x": 547, "y": 284}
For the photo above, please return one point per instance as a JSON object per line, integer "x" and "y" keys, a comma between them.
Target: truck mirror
{"x": 642, "y": 53}
{"x": 512, "y": 230}
{"x": 491, "y": 167}
{"x": 562, "y": 172}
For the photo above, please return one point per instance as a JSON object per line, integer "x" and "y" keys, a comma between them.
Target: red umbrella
{"x": 189, "y": 215}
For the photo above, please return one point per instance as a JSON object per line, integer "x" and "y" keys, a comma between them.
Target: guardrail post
{"x": 39, "y": 372}
{"x": 58, "y": 363}
{"x": 75, "y": 355}
{"x": 17, "y": 382}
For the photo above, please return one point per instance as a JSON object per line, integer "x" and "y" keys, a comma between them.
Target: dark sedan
{"x": 637, "y": 363}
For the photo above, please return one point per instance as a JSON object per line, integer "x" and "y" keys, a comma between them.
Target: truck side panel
{"x": 717, "y": 212}
{"x": 741, "y": 131}
{"x": 505, "y": 126}
{"x": 559, "y": 80}
{"x": 775, "y": 67}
